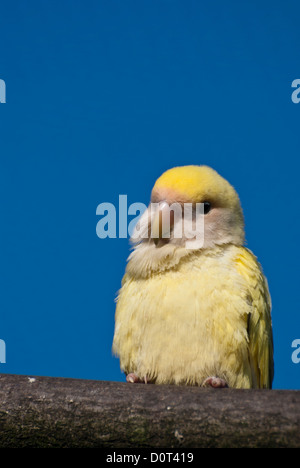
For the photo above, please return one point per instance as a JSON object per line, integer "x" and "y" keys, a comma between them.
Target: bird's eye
{"x": 207, "y": 207}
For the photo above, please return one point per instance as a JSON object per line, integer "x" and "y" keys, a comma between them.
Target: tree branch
{"x": 60, "y": 412}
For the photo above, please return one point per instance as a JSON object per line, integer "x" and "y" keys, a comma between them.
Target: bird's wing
{"x": 259, "y": 321}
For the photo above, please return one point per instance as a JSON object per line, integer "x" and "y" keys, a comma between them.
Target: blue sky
{"x": 102, "y": 97}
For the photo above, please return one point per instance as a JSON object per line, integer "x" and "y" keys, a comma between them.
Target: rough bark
{"x": 59, "y": 412}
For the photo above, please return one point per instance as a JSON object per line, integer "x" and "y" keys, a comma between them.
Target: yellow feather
{"x": 197, "y": 183}
{"x": 260, "y": 324}
{"x": 191, "y": 321}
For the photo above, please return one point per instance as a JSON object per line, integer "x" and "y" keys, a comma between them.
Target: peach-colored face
{"x": 169, "y": 195}
{"x": 223, "y": 219}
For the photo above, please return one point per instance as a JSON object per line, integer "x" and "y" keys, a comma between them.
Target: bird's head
{"x": 189, "y": 199}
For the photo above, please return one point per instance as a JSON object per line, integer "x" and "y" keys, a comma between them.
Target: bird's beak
{"x": 162, "y": 223}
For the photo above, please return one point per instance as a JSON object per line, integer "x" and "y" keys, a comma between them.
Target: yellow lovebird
{"x": 194, "y": 307}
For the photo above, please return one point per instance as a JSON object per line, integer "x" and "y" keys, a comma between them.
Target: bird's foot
{"x": 133, "y": 378}
{"x": 215, "y": 382}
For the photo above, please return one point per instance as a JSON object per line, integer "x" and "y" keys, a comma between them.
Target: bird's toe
{"x": 215, "y": 382}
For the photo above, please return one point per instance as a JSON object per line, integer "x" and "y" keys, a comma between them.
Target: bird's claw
{"x": 215, "y": 382}
{"x": 133, "y": 378}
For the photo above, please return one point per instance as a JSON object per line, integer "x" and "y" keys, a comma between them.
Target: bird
{"x": 194, "y": 309}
